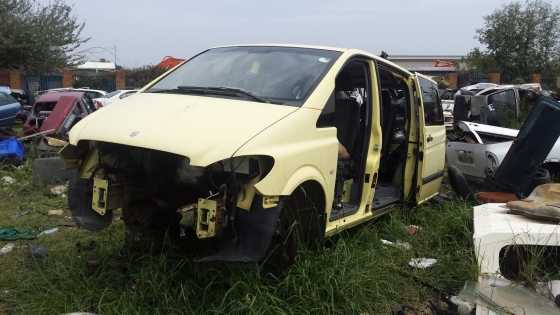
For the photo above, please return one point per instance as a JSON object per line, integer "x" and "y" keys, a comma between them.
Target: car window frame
{"x": 437, "y": 103}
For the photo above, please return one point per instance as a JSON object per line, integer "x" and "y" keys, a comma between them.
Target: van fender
{"x": 301, "y": 175}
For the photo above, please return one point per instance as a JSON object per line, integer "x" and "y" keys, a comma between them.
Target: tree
{"x": 138, "y": 77}
{"x": 481, "y": 61}
{"x": 520, "y": 39}
{"x": 38, "y": 37}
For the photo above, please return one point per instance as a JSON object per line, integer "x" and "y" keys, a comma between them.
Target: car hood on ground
{"x": 204, "y": 129}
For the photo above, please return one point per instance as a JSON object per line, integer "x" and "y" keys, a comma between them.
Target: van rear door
{"x": 431, "y": 153}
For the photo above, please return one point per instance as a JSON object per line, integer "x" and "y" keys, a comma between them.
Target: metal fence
{"x": 34, "y": 83}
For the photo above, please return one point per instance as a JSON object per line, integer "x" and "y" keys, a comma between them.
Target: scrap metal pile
{"x": 511, "y": 174}
{"x": 46, "y": 121}
{"x": 489, "y": 156}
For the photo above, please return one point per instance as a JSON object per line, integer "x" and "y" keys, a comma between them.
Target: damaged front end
{"x": 216, "y": 209}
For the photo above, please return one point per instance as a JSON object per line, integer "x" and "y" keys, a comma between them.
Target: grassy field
{"x": 353, "y": 274}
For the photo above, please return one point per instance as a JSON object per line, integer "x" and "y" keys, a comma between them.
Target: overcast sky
{"x": 145, "y": 31}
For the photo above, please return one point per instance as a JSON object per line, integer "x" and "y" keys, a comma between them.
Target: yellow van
{"x": 248, "y": 152}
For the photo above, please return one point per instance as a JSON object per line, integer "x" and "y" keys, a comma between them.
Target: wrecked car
{"x": 477, "y": 150}
{"x": 9, "y": 109}
{"x": 250, "y": 152}
{"x": 491, "y": 104}
{"x": 91, "y": 93}
{"x": 56, "y": 112}
{"x": 481, "y": 148}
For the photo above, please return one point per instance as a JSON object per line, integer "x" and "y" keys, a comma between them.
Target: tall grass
{"x": 354, "y": 273}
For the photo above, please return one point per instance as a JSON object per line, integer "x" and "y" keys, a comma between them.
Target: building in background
{"x": 169, "y": 62}
{"x": 97, "y": 66}
{"x": 444, "y": 66}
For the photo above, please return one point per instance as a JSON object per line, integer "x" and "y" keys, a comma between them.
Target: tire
{"x": 459, "y": 183}
{"x": 80, "y": 192}
{"x": 301, "y": 226}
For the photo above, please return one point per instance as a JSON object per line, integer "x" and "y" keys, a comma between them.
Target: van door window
{"x": 433, "y": 112}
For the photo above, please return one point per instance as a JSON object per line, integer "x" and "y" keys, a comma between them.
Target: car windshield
{"x": 281, "y": 75}
{"x": 6, "y": 99}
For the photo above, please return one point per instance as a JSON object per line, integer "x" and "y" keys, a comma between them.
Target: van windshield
{"x": 280, "y": 75}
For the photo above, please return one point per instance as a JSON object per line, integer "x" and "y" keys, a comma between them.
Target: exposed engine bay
{"x": 159, "y": 188}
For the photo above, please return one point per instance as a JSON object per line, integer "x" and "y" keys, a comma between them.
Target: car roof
{"x": 495, "y": 89}
{"x": 479, "y": 86}
{"x": 53, "y": 96}
{"x": 89, "y": 90}
{"x": 287, "y": 46}
{"x": 75, "y": 89}
{"x": 351, "y": 51}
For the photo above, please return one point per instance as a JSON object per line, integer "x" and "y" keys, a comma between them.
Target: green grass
{"x": 353, "y": 274}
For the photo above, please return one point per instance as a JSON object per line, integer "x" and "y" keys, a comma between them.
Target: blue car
{"x": 9, "y": 108}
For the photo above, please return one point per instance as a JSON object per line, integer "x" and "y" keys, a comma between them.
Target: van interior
{"x": 349, "y": 110}
{"x": 395, "y": 100}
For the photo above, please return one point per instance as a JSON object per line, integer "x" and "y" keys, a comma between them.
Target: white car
{"x": 113, "y": 96}
{"x": 483, "y": 148}
{"x": 91, "y": 93}
{"x": 475, "y": 88}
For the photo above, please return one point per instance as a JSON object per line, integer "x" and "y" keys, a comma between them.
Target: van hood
{"x": 204, "y": 129}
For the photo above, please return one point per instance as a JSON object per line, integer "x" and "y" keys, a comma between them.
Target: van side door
{"x": 431, "y": 155}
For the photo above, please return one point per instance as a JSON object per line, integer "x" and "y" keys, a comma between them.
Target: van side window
{"x": 433, "y": 113}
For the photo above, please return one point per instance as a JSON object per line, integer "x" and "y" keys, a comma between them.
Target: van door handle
{"x": 429, "y": 138}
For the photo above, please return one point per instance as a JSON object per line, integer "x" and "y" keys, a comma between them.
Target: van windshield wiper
{"x": 221, "y": 90}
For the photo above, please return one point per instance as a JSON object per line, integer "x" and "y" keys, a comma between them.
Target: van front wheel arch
{"x": 301, "y": 225}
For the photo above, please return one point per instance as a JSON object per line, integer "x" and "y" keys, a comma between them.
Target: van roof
{"x": 342, "y": 50}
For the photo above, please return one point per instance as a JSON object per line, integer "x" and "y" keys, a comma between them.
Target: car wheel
{"x": 459, "y": 183}
{"x": 301, "y": 226}
{"x": 80, "y": 192}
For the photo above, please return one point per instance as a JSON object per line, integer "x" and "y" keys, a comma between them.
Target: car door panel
{"x": 431, "y": 157}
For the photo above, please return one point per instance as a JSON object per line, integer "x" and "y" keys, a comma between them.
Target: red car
{"x": 56, "y": 112}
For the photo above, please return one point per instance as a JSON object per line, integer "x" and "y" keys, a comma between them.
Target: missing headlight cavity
{"x": 161, "y": 184}
{"x": 169, "y": 179}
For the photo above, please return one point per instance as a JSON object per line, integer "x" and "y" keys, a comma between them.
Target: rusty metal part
{"x": 210, "y": 217}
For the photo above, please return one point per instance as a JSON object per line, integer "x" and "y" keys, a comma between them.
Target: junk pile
{"x": 517, "y": 247}
{"x": 510, "y": 174}
{"x": 484, "y": 158}
{"x": 491, "y": 104}
{"x": 46, "y": 124}
{"x": 52, "y": 116}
